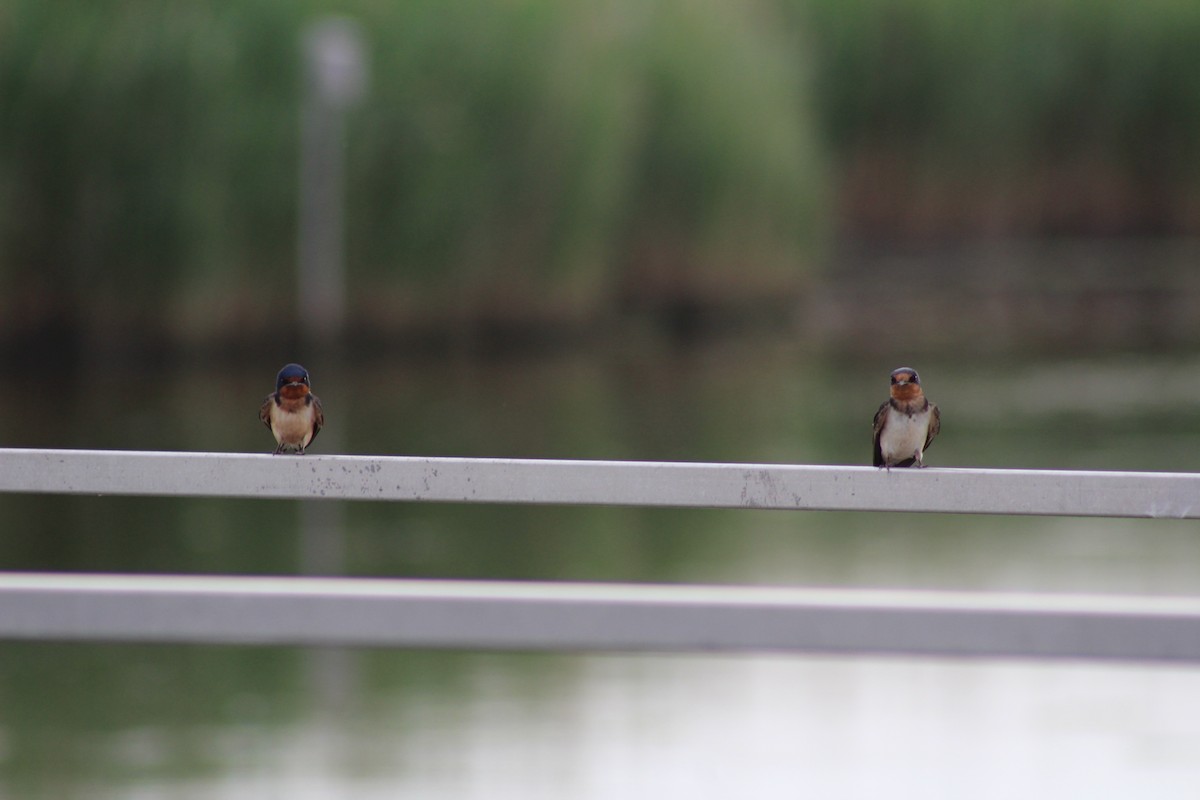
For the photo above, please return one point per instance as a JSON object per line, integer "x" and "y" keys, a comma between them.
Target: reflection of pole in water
{"x": 331, "y": 672}
{"x": 334, "y": 77}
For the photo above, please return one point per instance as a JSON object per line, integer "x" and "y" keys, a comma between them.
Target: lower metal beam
{"x": 588, "y": 617}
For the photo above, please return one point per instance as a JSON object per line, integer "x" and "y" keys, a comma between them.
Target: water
{"x": 233, "y": 722}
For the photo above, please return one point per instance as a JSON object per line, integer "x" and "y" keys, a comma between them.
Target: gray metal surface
{"x": 701, "y": 485}
{"x": 574, "y": 617}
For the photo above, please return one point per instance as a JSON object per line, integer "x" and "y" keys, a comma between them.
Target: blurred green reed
{"x": 557, "y": 160}
{"x": 1063, "y": 117}
{"x": 511, "y": 158}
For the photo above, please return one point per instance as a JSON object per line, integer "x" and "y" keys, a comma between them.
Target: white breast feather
{"x": 292, "y": 428}
{"x": 903, "y": 436}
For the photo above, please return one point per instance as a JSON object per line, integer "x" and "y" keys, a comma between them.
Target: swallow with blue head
{"x": 905, "y": 424}
{"x": 292, "y": 412}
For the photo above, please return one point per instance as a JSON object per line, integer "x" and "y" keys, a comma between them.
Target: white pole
{"x": 335, "y": 75}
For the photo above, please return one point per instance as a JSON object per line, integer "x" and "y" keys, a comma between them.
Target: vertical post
{"x": 335, "y": 76}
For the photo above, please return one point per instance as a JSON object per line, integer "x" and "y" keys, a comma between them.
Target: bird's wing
{"x": 318, "y": 416}
{"x": 880, "y": 419}
{"x": 935, "y": 424}
{"x": 264, "y": 412}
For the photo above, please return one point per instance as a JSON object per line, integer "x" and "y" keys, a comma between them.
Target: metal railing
{"x": 571, "y": 616}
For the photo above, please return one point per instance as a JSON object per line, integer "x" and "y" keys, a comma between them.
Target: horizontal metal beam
{"x": 578, "y": 617}
{"x": 636, "y": 483}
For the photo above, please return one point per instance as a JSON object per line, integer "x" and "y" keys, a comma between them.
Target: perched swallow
{"x": 906, "y": 424}
{"x": 292, "y": 411}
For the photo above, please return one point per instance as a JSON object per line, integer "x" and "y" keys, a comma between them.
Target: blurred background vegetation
{"x": 555, "y": 165}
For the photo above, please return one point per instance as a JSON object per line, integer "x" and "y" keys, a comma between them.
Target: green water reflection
{"x": 98, "y": 721}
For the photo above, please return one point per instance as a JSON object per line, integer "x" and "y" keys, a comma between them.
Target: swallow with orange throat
{"x": 292, "y": 411}
{"x": 906, "y": 424}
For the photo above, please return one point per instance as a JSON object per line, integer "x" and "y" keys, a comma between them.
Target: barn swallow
{"x": 292, "y": 411}
{"x": 906, "y": 424}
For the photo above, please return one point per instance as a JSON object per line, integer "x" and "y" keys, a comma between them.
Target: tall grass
{"x": 536, "y": 158}
{"x": 1031, "y": 116}
{"x": 559, "y": 159}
